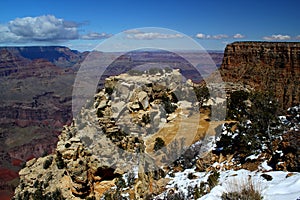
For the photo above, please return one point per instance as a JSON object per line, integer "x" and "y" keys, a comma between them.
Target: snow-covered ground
{"x": 281, "y": 187}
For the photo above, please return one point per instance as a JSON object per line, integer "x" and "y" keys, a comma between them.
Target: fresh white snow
{"x": 281, "y": 187}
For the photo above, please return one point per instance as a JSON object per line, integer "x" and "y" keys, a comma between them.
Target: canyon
{"x": 36, "y": 91}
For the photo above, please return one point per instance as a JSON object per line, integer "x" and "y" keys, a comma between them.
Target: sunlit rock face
{"x": 268, "y": 66}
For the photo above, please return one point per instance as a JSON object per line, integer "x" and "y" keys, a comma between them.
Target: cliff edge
{"x": 268, "y": 66}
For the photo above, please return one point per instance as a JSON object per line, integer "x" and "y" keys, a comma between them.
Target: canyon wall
{"x": 36, "y": 92}
{"x": 266, "y": 66}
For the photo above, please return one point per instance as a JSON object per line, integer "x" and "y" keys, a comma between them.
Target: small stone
{"x": 267, "y": 177}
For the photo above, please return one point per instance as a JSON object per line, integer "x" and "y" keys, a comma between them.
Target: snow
{"x": 279, "y": 152}
{"x": 284, "y": 120}
{"x": 265, "y": 167}
{"x": 280, "y": 187}
{"x": 252, "y": 157}
{"x": 182, "y": 181}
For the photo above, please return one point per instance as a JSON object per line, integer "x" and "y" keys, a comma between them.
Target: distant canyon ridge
{"x": 36, "y": 90}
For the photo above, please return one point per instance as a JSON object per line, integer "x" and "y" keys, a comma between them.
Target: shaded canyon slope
{"x": 265, "y": 66}
{"x": 35, "y": 89}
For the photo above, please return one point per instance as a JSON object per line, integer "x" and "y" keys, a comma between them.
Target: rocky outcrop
{"x": 105, "y": 143}
{"x": 267, "y": 66}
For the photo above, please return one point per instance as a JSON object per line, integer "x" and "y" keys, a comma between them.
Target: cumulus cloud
{"x": 7, "y": 35}
{"x": 238, "y": 36}
{"x": 95, "y": 36}
{"x": 298, "y": 37}
{"x": 45, "y": 28}
{"x": 138, "y": 35}
{"x": 216, "y": 37}
{"x": 277, "y": 37}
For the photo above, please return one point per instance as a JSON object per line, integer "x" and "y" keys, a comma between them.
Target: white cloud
{"x": 150, "y": 35}
{"x": 45, "y": 28}
{"x": 238, "y": 36}
{"x": 216, "y": 37}
{"x": 277, "y": 37}
{"x": 220, "y": 36}
{"x": 95, "y": 36}
{"x": 7, "y": 35}
{"x": 297, "y": 37}
{"x": 201, "y": 36}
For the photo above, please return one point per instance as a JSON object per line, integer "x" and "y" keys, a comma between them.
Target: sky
{"x": 82, "y": 25}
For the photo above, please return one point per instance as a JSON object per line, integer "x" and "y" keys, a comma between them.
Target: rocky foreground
{"x": 108, "y": 139}
{"x": 106, "y": 154}
{"x": 36, "y": 94}
{"x": 248, "y": 66}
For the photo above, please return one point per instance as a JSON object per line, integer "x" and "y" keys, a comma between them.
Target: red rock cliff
{"x": 272, "y": 66}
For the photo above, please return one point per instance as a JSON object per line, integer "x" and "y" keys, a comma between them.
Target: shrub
{"x": 169, "y": 106}
{"x": 154, "y": 71}
{"x": 202, "y": 94}
{"x": 109, "y": 90}
{"x": 146, "y": 118}
{"x": 242, "y": 190}
{"x": 159, "y": 143}
{"x": 59, "y": 161}
{"x": 168, "y": 70}
{"x": 237, "y": 108}
{"x": 179, "y": 195}
{"x": 213, "y": 179}
{"x": 134, "y": 72}
{"x": 38, "y": 194}
{"x": 256, "y": 126}
{"x": 48, "y": 162}
{"x": 57, "y": 195}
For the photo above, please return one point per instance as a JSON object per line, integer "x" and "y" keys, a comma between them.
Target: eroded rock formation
{"x": 106, "y": 141}
{"x": 268, "y": 66}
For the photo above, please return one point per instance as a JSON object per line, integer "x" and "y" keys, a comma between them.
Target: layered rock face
{"x": 266, "y": 66}
{"x": 36, "y": 90}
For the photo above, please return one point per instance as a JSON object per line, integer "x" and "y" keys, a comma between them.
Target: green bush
{"x": 48, "y": 162}
{"x": 257, "y": 126}
{"x": 237, "y": 108}
{"x": 159, "y": 143}
{"x": 59, "y": 161}
{"x": 202, "y": 94}
{"x": 134, "y": 72}
{"x": 154, "y": 71}
{"x": 169, "y": 106}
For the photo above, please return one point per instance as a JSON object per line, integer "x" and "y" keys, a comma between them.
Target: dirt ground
{"x": 193, "y": 128}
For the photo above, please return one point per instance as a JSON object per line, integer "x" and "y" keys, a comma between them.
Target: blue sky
{"x": 84, "y": 24}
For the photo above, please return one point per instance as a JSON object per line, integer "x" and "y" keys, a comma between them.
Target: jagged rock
{"x": 143, "y": 99}
{"x": 89, "y": 159}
